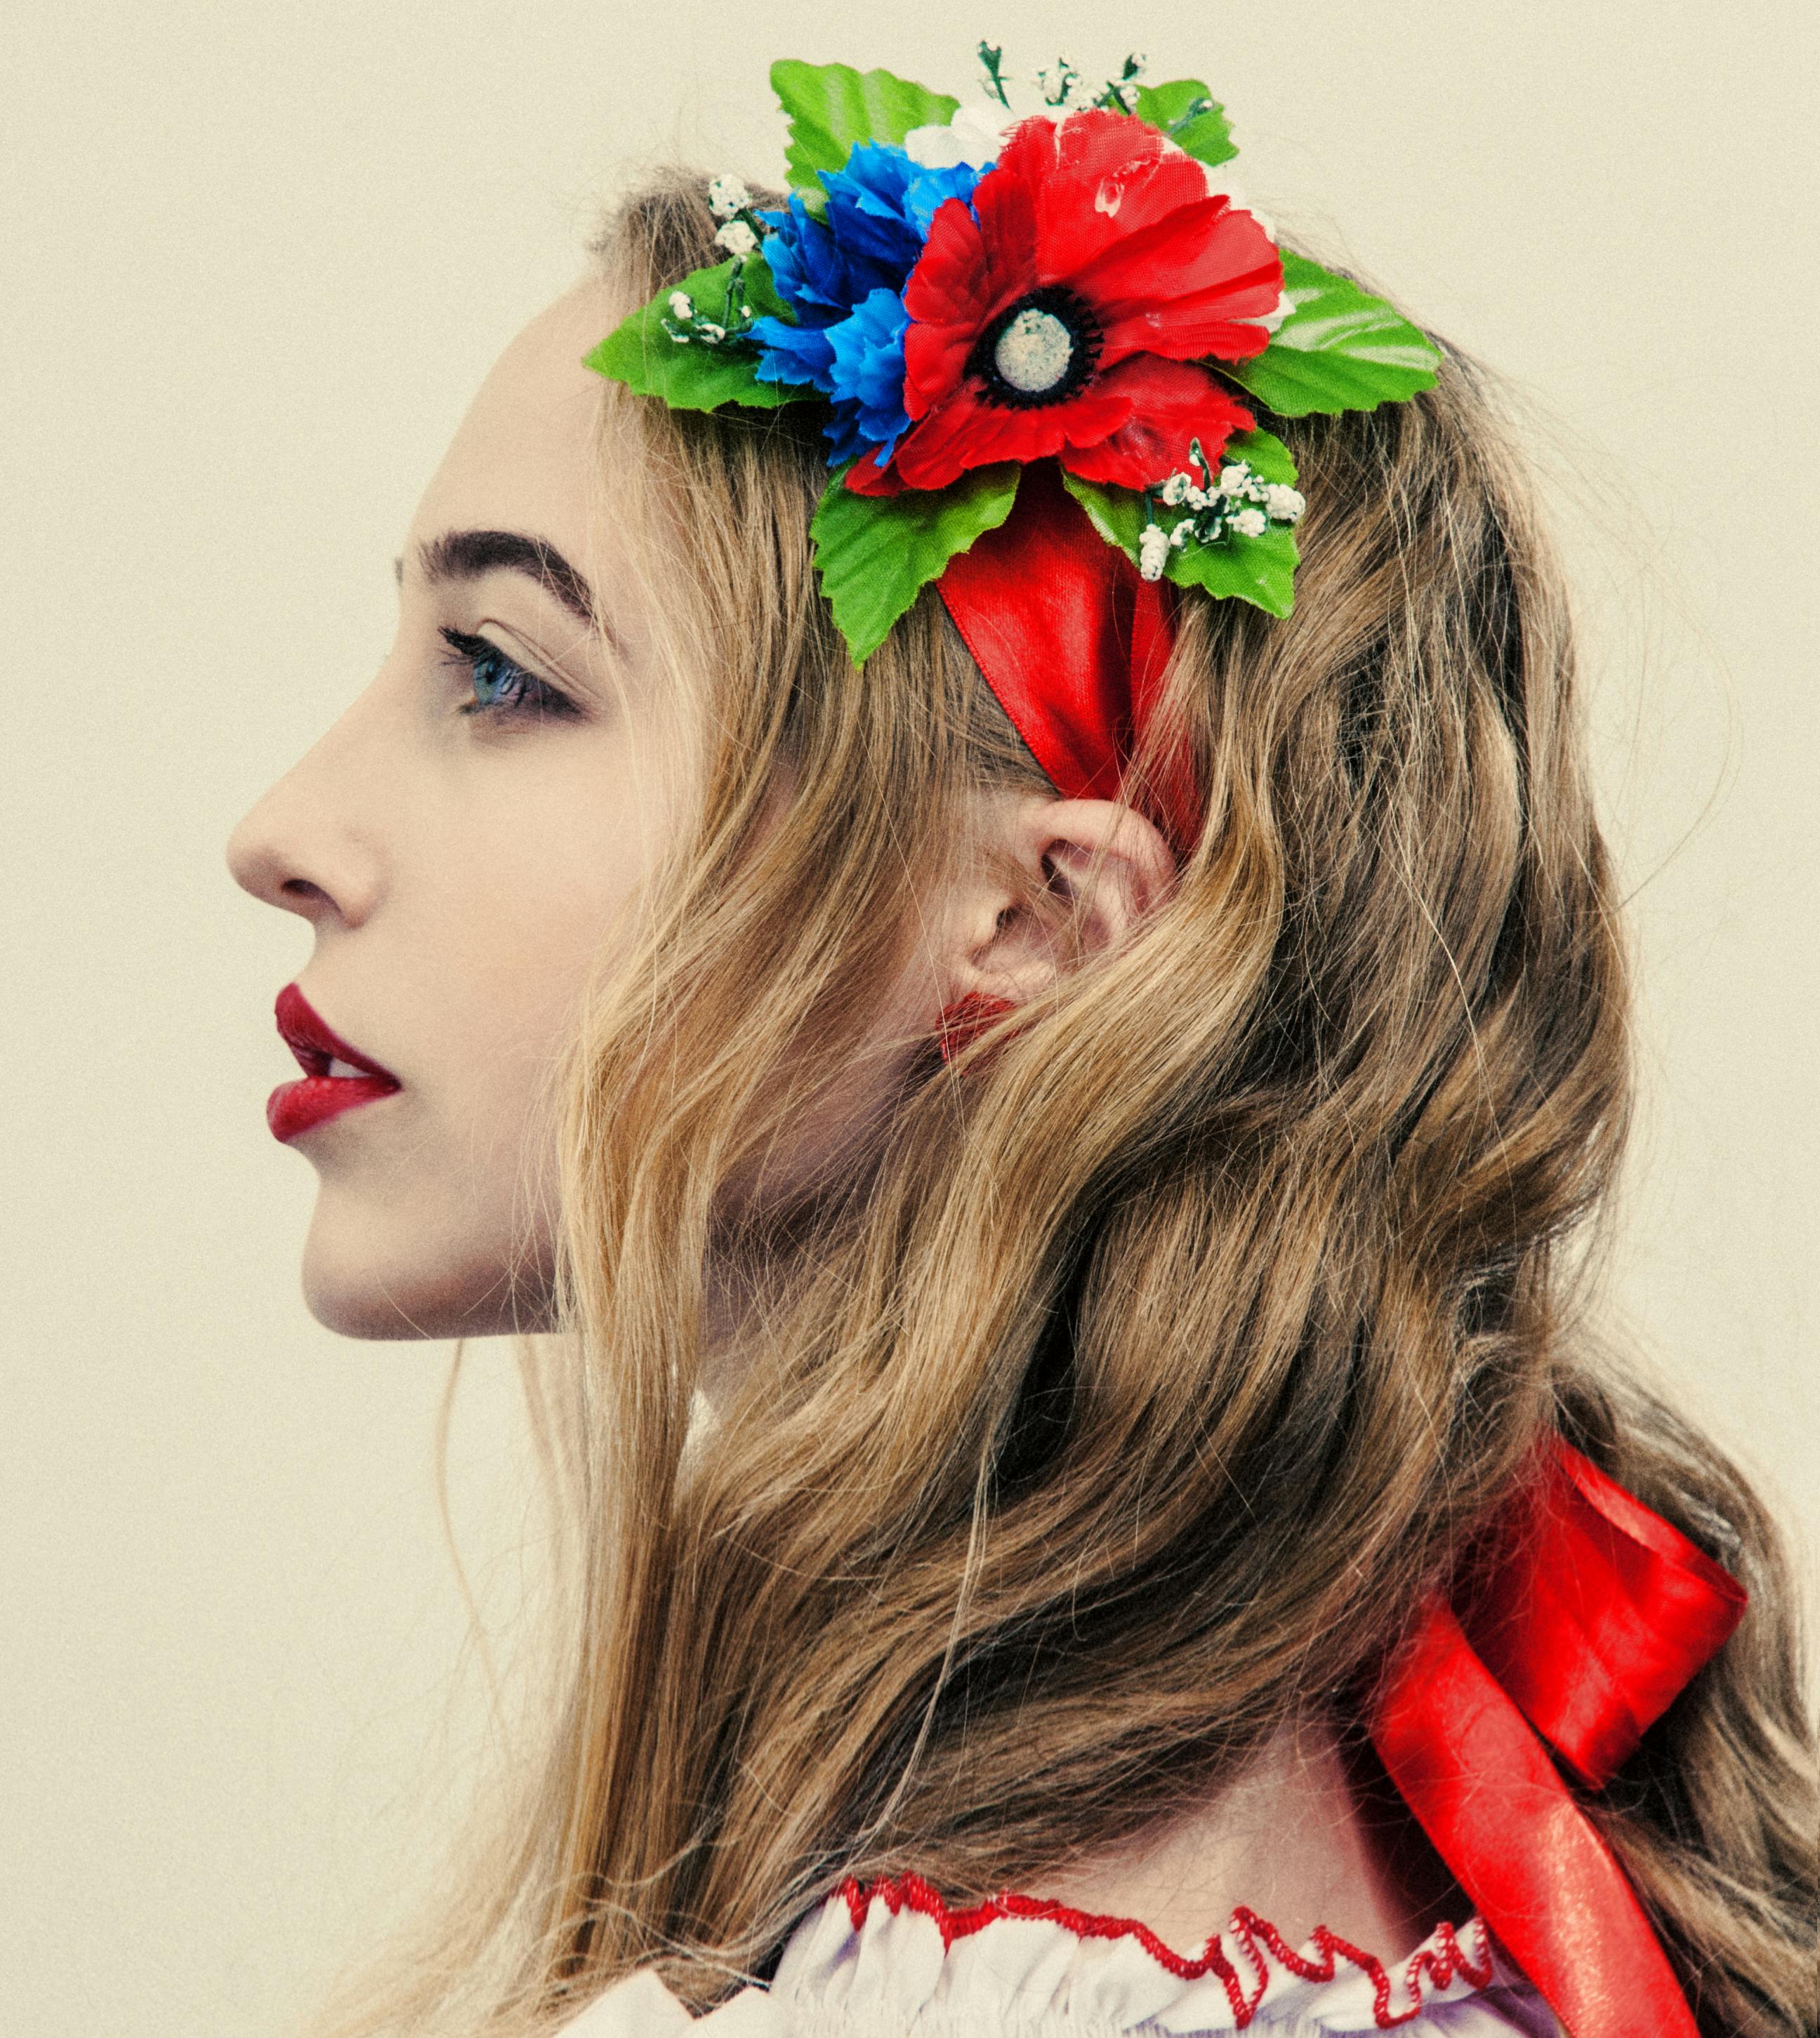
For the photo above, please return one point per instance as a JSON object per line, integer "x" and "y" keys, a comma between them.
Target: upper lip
{"x": 315, "y": 1043}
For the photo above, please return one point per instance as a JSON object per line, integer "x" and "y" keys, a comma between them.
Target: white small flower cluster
{"x": 686, "y": 323}
{"x": 727, "y": 197}
{"x": 976, "y": 136}
{"x": 1153, "y": 551}
{"x": 730, "y": 202}
{"x": 1121, "y": 93}
{"x": 1238, "y": 502}
{"x": 1065, "y": 91}
{"x": 1060, "y": 85}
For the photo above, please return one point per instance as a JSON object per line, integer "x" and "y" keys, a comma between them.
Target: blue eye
{"x": 500, "y": 684}
{"x": 495, "y": 678}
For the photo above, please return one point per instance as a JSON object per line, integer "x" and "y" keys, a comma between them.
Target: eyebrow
{"x": 458, "y": 555}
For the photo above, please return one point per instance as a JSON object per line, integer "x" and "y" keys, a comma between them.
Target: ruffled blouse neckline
{"x": 892, "y": 1959}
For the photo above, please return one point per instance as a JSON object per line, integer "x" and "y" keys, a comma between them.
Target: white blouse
{"x": 894, "y": 1960}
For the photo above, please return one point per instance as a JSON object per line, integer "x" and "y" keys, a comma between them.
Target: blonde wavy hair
{"x": 1118, "y": 1402}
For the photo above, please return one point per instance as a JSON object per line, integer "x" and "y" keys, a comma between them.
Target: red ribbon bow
{"x": 1592, "y": 1615}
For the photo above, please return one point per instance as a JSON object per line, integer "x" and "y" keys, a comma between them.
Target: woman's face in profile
{"x": 464, "y": 843}
{"x": 460, "y": 843}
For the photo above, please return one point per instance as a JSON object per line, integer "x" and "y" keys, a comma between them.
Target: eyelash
{"x": 515, "y": 691}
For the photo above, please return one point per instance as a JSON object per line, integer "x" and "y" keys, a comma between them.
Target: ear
{"x": 1057, "y": 881}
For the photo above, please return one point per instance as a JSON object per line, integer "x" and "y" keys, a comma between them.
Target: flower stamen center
{"x": 1034, "y": 351}
{"x": 1038, "y": 351}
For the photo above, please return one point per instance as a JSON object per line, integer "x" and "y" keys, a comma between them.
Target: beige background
{"x": 257, "y": 258}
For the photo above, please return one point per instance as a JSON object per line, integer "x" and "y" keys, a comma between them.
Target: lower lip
{"x": 295, "y": 1107}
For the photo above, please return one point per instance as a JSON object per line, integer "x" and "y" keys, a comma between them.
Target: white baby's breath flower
{"x": 707, "y": 329}
{"x": 727, "y": 195}
{"x": 1060, "y": 85}
{"x": 1174, "y": 492}
{"x": 1251, "y": 523}
{"x": 1233, "y": 478}
{"x": 1285, "y": 504}
{"x": 1196, "y": 498}
{"x": 1153, "y": 551}
{"x": 736, "y": 237}
{"x": 682, "y": 305}
{"x": 1182, "y": 532}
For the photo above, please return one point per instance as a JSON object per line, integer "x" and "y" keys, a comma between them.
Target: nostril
{"x": 250, "y": 860}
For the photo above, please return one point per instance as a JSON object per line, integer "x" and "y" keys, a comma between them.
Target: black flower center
{"x": 1039, "y": 351}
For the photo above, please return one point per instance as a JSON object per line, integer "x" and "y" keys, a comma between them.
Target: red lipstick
{"x": 296, "y": 1106}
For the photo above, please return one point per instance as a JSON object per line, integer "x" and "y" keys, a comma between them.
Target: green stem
{"x": 735, "y": 295}
{"x": 992, "y": 58}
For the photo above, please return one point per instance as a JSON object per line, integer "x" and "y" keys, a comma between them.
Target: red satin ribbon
{"x": 1591, "y": 1615}
{"x": 1072, "y": 641}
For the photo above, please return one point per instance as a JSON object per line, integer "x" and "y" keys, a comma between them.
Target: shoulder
{"x": 893, "y": 1960}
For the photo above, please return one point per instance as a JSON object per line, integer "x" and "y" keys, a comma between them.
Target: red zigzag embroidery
{"x": 1436, "y": 1964}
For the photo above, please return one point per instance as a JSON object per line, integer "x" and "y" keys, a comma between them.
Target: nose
{"x": 311, "y": 845}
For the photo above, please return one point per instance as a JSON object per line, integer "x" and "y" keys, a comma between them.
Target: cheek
{"x": 534, "y": 891}
{"x": 517, "y": 882}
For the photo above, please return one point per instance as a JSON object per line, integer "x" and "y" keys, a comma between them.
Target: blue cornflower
{"x": 843, "y": 276}
{"x": 880, "y": 204}
{"x": 866, "y": 378}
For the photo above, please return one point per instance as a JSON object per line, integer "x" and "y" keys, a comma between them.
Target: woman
{"x": 1051, "y": 1090}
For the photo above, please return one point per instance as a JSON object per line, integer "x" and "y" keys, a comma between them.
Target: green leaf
{"x": 1117, "y": 513}
{"x": 1265, "y": 454}
{"x": 876, "y": 552}
{"x": 1260, "y": 570}
{"x": 1339, "y": 349}
{"x": 832, "y": 106}
{"x": 1205, "y": 135}
{"x": 686, "y": 375}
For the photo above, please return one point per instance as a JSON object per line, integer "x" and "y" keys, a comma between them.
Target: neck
{"x": 1294, "y": 1837}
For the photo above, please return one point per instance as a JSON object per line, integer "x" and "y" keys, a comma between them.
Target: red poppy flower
{"x": 1063, "y": 314}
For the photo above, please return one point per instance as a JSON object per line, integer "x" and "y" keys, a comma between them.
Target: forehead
{"x": 524, "y": 457}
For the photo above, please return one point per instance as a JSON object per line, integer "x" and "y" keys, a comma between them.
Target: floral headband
{"x": 1032, "y": 334}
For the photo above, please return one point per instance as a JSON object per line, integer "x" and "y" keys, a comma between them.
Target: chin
{"x": 353, "y": 1287}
